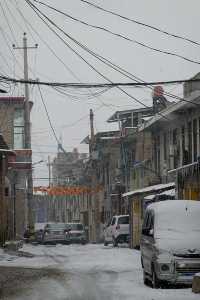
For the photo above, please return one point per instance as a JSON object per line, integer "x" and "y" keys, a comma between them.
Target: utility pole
{"x": 27, "y": 130}
{"x": 91, "y": 130}
{"x": 49, "y": 167}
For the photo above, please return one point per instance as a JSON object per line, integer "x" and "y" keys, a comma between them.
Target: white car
{"x": 170, "y": 242}
{"x": 117, "y": 230}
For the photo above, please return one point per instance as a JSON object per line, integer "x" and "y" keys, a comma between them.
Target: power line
{"x": 121, "y": 35}
{"x": 141, "y": 23}
{"x": 110, "y": 64}
{"x": 87, "y": 50}
{"x": 121, "y": 70}
{"x": 96, "y": 85}
{"x": 90, "y": 52}
{"x": 48, "y": 117}
{"x": 105, "y": 61}
{"x": 47, "y": 45}
{"x": 97, "y": 56}
{"x": 8, "y": 23}
{"x": 54, "y": 53}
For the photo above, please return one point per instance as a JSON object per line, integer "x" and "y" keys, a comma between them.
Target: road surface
{"x": 75, "y": 272}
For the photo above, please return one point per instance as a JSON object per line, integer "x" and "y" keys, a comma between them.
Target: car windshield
{"x": 74, "y": 226}
{"x": 55, "y": 226}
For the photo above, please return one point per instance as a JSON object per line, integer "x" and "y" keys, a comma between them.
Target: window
{"x": 184, "y": 153}
{"x": 19, "y": 129}
{"x": 190, "y": 141}
{"x": 165, "y": 146}
{"x": 195, "y": 140}
{"x": 113, "y": 221}
{"x": 123, "y": 220}
{"x": 176, "y": 147}
{"x": 6, "y": 192}
{"x": 151, "y": 222}
{"x": 146, "y": 219}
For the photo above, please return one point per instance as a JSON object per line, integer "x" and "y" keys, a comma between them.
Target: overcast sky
{"x": 70, "y": 116}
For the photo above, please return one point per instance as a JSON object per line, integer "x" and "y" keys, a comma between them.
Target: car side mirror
{"x": 148, "y": 232}
{"x": 145, "y": 231}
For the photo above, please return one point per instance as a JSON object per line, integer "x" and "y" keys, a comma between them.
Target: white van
{"x": 170, "y": 242}
{"x": 117, "y": 230}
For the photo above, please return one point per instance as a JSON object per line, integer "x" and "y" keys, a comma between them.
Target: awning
{"x": 152, "y": 188}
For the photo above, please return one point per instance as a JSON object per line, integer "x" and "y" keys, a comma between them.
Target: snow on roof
{"x": 150, "y": 197}
{"x": 174, "y": 206}
{"x": 147, "y": 118}
{"x": 150, "y": 188}
{"x": 119, "y": 114}
{"x": 169, "y": 192}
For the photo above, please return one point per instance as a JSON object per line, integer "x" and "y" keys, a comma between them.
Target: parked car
{"x": 75, "y": 233}
{"x": 54, "y": 233}
{"x": 39, "y": 231}
{"x": 170, "y": 242}
{"x": 117, "y": 230}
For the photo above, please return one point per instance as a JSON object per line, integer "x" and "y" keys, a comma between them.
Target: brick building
{"x": 6, "y": 205}
{"x": 12, "y": 128}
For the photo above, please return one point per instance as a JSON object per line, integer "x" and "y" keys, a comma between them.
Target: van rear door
{"x": 123, "y": 224}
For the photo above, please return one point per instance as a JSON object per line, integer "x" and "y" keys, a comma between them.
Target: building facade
{"x": 12, "y": 127}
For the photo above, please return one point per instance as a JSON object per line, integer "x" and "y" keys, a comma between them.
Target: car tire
{"x": 145, "y": 279}
{"x": 155, "y": 281}
{"x": 115, "y": 243}
{"x": 105, "y": 243}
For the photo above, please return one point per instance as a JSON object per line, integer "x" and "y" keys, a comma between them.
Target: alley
{"x": 90, "y": 272}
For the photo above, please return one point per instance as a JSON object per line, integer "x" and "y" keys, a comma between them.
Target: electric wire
{"x": 53, "y": 23}
{"x": 122, "y": 36}
{"x": 8, "y": 23}
{"x": 54, "y": 53}
{"x": 170, "y": 95}
{"x": 46, "y": 43}
{"x": 141, "y": 23}
{"x": 96, "y": 85}
{"x": 102, "y": 59}
{"x": 48, "y": 116}
{"x": 118, "y": 87}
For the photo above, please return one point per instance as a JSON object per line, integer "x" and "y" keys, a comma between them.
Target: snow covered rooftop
{"x": 168, "y": 192}
{"x": 152, "y": 188}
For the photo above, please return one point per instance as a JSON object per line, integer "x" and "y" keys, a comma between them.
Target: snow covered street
{"x": 90, "y": 272}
